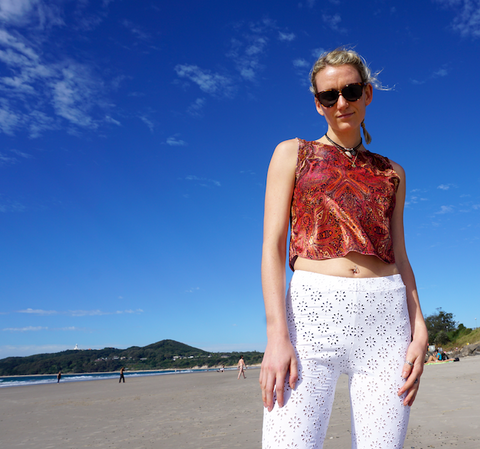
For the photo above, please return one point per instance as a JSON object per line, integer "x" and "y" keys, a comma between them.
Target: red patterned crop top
{"x": 338, "y": 208}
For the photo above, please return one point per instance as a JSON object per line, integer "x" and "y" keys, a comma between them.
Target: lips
{"x": 345, "y": 115}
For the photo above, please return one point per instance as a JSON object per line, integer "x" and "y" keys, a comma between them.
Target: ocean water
{"x": 18, "y": 381}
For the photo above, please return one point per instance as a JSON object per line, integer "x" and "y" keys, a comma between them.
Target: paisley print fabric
{"x": 337, "y": 208}
{"x": 354, "y": 326}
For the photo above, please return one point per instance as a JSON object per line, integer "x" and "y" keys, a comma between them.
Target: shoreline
{"x": 210, "y": 409}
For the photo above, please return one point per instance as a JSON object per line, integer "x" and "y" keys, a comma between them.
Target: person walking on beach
{"x": 122, "y": 376}
{"x": 352, "y": 305}
{"x": 241, "y": 368}
{"x": 59, "y": 376}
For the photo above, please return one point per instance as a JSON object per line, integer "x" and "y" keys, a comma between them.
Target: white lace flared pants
{"x": 354, "y": 326}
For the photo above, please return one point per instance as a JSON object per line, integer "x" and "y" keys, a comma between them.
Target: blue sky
{"x": 135, "y": 139}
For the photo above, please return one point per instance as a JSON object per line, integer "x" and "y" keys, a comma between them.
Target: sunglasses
{"x": 351, "y": 92}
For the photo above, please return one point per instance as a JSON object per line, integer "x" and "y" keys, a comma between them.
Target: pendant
{"x": 348, "y": 154}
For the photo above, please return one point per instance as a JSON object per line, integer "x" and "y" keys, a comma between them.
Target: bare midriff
{"x": 353, "y": 265}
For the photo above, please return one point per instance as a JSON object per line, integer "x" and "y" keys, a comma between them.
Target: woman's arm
{"x": 417, "y": 348}
{"x": 279, "y": 358}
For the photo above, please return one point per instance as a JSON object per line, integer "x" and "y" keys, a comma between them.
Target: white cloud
{"x": 174, "y": 142}
{"x": 25, "y": 329}
{"x": 301, "y": 64}
{"x": 246, "y": 53}
{"x": 77, "y": 313}
{"x": 317, "y": 52}
{"x": 440, "y": 73}
{"x": 23, "y": 12}
{"x": 445, "y": 186}
{"x": 445, "y": 210}
{"x": 208, "y": 82}
{"x": 111, "y": 120}
{"x": 148, "y": 122}
{"x": 466, "y": 20}
{"x": 39, "y": 311}
{"x": 333, "y": 22}
{"x": 11, "y": 206}
{"x": 196, "y": 107}
{"x": 135, "y": 30}
{"x": 40, "y": 95}
{"x": 205, "y": 182}
{"x": 286, "y": 36}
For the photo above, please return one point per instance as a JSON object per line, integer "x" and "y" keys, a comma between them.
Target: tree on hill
{"x": 442, "y": 328}
{"x": 165, "y": 354}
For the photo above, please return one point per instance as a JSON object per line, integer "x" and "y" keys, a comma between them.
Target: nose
{"x": 341, "y": 102}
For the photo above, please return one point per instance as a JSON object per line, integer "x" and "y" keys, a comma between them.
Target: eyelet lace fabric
{"x": 354, "y": 326}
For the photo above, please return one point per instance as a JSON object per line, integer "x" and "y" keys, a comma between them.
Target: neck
{"x": 345, "y": 140}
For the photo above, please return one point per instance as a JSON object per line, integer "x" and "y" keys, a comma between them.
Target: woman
{"x": 352, "y": 306}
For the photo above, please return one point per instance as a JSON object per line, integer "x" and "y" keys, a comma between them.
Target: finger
{"x": 407, "y": 368}
{"x": 412, "y": 394}
{"x": 410, "y": 380}
{"x": 279, "y": 390}
{"x": 293, "y": 374}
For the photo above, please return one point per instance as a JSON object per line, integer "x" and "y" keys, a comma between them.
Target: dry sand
{"x": 215, "y": 410}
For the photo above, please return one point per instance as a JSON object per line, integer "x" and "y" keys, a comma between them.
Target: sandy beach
{"x": 215, "y": 410}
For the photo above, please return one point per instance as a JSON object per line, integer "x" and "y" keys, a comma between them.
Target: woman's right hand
{"x": 279, "y": 361}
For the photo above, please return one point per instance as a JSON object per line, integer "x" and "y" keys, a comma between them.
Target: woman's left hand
{"x": 412, "y": 371}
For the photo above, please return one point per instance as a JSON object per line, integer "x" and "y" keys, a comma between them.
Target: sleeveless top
{"x": 337, "y": 208}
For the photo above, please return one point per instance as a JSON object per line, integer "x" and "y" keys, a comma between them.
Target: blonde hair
{"x": 344, "y": 56}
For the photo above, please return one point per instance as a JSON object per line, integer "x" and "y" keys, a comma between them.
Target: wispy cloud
{"x": 135, "y": 30}
{"x": 286, "y": 36}
{"x": 40, "y": 94}
{"x": 174, "y": 142}
{"x": 442, "y": 72}
{"x": 25, "y": 329}
{"x": 7, "y": 205}
{"x": 445, "y": 210}
{"x": 77, "y": 313}
{"x": 43, "y": 328}
{"x": 36, "y": 12}
{"x": 466, "y": 19}
{"x": 205, "y": 182}
{"x": 208, "y": 82}
{"x": 445, "y": 186}
{"x": 196, "y": 107}
{"x": 148, "y": 122}
{"x": 333, "y": 22}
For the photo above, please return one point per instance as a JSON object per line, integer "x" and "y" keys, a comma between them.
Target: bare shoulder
{"x": 285, "y": 154}
{"x": 399, "y": 169}
{"x": 287, "y": 148}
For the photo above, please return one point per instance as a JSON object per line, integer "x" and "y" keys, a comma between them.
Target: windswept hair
{"x": 342, "y": 56}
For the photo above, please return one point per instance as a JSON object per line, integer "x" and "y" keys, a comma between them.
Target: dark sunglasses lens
{"x": 352, "y": 92}
{"x": 328, "y": 98}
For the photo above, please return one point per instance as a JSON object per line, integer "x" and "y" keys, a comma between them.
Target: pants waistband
{"x": 327, "y": 282}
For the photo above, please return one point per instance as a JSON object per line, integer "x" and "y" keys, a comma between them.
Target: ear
{"x": 319, "y": 107}
{"x": 368, "y": 94}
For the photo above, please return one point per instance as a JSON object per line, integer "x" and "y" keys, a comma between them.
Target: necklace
{"x": 350, "y": 152}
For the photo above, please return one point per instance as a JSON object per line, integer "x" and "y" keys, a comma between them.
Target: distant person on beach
{"x": 352, "y": 306}
{"x": 434, "y": 358}
{"x": 122, "y": 376}
{"x": 59, "y": 376}
{"x": 241, "y": 368}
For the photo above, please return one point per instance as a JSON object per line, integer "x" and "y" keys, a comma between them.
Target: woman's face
{"x": 343, "y": 116}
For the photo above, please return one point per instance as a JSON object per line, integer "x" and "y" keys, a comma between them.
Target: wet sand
{"x": 215, "y": 410}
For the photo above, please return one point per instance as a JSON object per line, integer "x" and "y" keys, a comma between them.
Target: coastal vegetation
{"x": 444, "y": 331}
{"x": 165, "y": 354}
